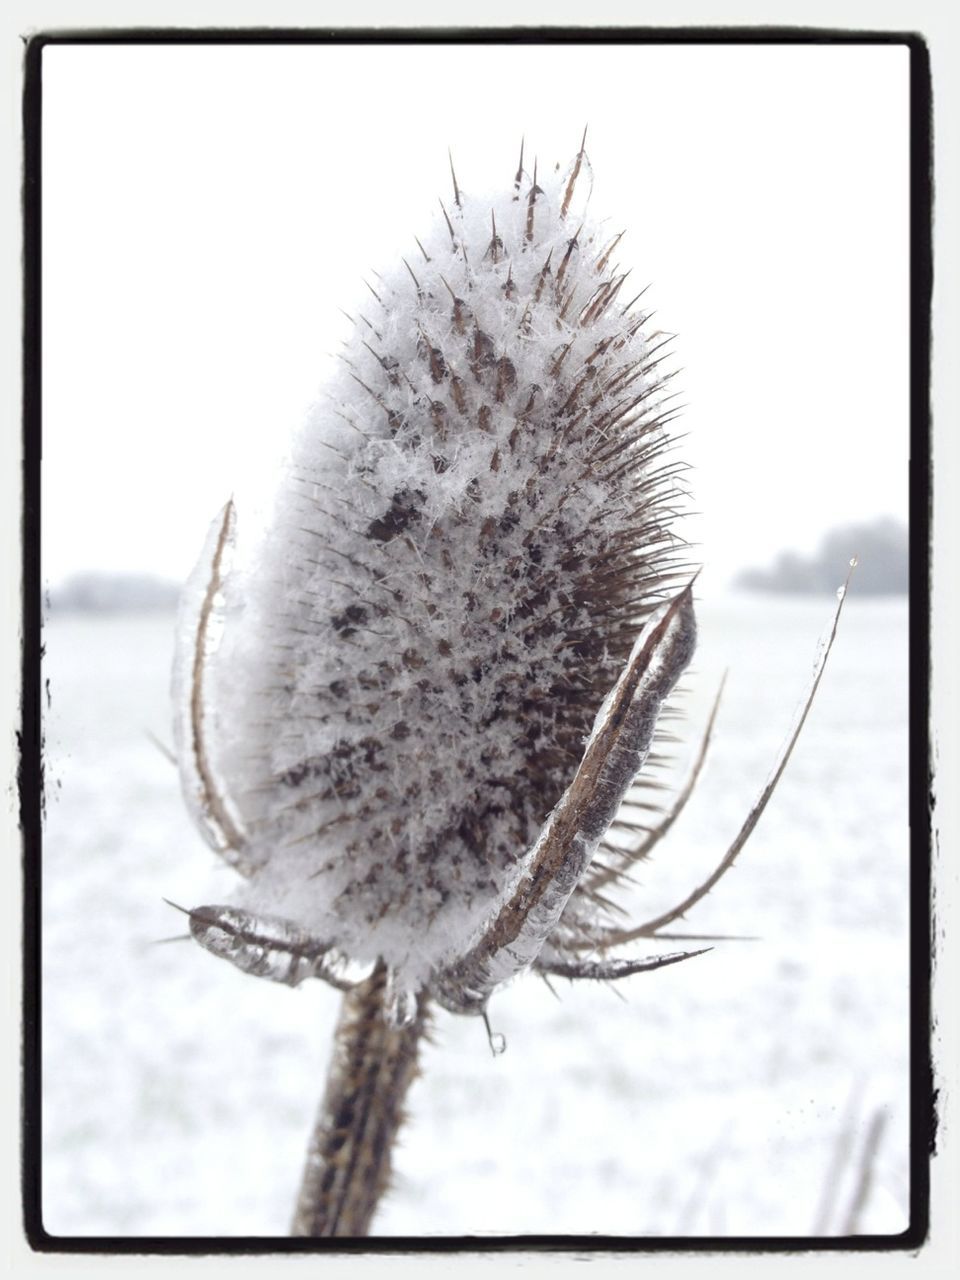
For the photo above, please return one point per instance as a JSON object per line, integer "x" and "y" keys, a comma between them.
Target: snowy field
{"x": 761, "y": 1089}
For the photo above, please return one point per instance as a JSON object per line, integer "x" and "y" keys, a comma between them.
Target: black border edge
{"x": 30, "y": 768}
{"x": 517, "y": 34}
{"x": 923, "y": 1110}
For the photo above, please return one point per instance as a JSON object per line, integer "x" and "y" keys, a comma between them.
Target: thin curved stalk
{"x": 651, "y": 927}
{"x": 348, "y": 1161}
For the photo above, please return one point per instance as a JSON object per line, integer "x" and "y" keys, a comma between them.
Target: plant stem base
{"x": 348, "y": 1162}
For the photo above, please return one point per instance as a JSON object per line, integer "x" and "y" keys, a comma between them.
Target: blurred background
{"x": 206, "y": 213}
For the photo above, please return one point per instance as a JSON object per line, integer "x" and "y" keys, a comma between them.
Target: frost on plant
{"x": 411, "y": 720}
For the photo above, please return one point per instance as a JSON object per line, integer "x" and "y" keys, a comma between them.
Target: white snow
{"x": 179, "y": 1093}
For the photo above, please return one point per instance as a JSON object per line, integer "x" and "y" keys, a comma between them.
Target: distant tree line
{"x": 114, "y": 593}
{"x": 881, "y": 549}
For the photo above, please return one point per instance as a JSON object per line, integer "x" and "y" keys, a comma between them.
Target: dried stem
{"x": 348, "y": 1162}
{"x": 865, "y": 1173}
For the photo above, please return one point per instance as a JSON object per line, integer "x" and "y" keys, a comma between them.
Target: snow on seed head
{"x": 473, "y": 524}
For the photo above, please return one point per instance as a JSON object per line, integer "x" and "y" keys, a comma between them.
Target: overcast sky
{"x": 207, "y": 211}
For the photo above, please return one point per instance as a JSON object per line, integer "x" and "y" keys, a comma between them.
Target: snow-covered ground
{"x": 733, "y": 1094}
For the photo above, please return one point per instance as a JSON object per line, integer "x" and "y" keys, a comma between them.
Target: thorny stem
{"x": 348, "y": 1161}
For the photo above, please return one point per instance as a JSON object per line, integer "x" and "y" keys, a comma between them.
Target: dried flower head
{"x": 415, "y": 721}
{"x": 412, "y": 719}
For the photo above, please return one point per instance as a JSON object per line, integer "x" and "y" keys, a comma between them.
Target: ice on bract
{"x": 613, "y": 755}
{"x": 200, "y": 622}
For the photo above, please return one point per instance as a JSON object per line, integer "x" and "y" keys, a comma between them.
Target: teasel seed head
{"x": 472, "y": 529}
